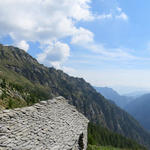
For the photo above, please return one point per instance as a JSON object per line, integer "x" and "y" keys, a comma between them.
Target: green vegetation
{"x": 14, "y": 95}
{"x": 98, "y": 135}
{"x": 93, "y": 147}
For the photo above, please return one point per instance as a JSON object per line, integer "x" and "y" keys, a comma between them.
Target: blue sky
{"x": 107, "y": 42}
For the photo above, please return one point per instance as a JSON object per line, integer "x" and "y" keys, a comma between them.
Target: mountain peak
{"x": 14, "y": 54}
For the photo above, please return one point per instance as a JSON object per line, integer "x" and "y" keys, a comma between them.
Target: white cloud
{"x": 55, "y": 54}
{"x": 122, "y": 16}
{"x": 119, "y": 9}
{"x": 82, "y": 36}
{"x": 44, "y": 21}
{"x": 48, "y": 21}
{"x": 85, "y": 38}
{"x": 117, "y": 13}
{"x": 105, "y": 16}
{"x": 23, "y": 45}
{"x": 109, "y": 53}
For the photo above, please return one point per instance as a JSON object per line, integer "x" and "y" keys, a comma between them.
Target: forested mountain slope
{"x": 140, "y": 109}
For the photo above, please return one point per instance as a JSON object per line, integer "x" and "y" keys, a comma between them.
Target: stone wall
{"x": 49, "y": 125}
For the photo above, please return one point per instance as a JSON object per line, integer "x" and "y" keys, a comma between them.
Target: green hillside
{"x": 94, "y": 147}
{"x": 98, "y": 135}
{"x": 13, "y": 95}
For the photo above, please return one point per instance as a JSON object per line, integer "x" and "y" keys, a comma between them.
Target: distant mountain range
{"x": 136, "y": 94}
{"x": 31, "y": 82}
{"x": 140, "y": 109}
{"x": 136, "y": 103}
{"x": 111, "y": 94}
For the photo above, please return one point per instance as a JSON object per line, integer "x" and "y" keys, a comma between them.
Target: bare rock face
{"x": 49, "y": 125}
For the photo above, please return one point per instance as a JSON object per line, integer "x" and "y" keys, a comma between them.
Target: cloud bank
{"x": 48, "y": 22}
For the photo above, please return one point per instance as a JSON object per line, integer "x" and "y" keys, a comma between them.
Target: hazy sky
{"x": 107, "y": 42}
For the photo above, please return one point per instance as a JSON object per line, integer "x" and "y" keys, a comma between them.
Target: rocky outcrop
{"x": 48, "y": 125}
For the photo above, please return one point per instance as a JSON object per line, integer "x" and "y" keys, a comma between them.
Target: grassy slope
{"x": 94, "y": 147}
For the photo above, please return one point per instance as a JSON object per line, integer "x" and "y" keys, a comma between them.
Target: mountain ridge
{"x": 136, "y": 94}
{"x": 111, "y": 94}
{"x": 139, "y": 109}
{"x": 19, "y": 67}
